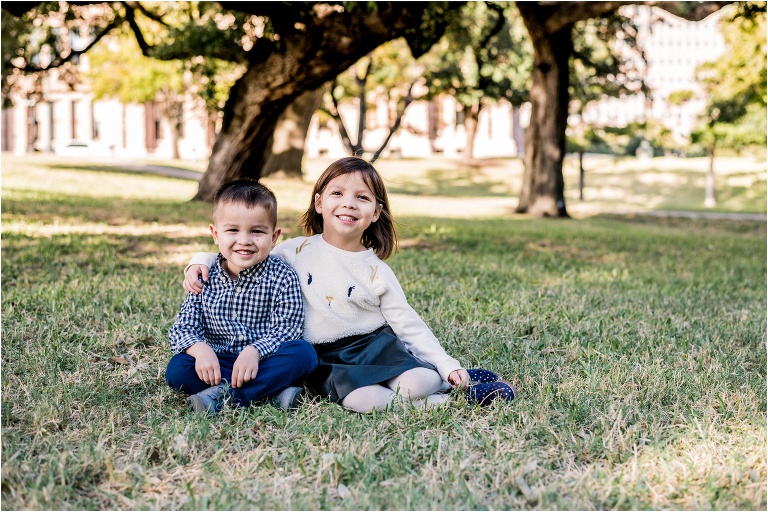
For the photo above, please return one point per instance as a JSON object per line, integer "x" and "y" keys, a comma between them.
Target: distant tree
{"x": 386, "y": 76}
{"x": 481, "y": 59}
{"x": 484, "y": 57}
{"x": 604, "y": 64}
{"x": 735, "y": 89}
{"x": 550, "y": 26}
{"x": 119, "y": 70}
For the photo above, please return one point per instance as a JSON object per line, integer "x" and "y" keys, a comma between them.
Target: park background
{"x": 636, "y": 334}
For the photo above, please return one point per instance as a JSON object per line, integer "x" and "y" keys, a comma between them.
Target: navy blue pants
{"x": 292, "y": 361}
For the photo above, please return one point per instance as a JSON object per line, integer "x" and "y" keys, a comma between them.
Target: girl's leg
{"x": 369, "y": 398}
{"x": 416, "y": 383}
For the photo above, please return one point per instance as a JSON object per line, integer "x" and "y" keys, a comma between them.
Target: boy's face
{"x": 244, "y": 235}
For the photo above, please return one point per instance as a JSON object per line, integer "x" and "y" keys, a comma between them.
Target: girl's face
{"x": 348, "y": 207}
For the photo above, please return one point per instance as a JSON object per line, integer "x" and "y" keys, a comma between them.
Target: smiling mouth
{"x": 244, "y": 252}
{"x": 346, "y": 218}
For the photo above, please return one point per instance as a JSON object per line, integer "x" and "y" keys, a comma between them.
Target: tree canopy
{"x": 735, "y": 83}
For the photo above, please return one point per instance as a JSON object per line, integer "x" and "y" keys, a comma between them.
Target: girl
{"x": 370, "y": 343}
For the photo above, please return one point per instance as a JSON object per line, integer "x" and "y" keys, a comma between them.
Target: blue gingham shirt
{"x": 263, "y": 308}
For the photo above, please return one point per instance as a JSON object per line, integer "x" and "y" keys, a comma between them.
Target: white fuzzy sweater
{"x": 350, "y": 293}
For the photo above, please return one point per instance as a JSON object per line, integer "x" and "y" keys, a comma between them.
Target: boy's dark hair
{"x": 249, "y": 192}
{"x": 381, "y": 235}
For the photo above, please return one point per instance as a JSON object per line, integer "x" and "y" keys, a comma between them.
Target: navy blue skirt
{"x": 357, "y": 361}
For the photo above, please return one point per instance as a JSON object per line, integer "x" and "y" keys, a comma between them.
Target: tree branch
{"x": 19, "y": 9}
{"x": 683, "y": 10}
{"x": 362, "y": 81}
{"x": 396, "y": 125}
{"x": 130, "y": 17}
{"x": 59, "y": 60}
{"x": 569, "y": 13}
{"x": 139, "y": 7}
{"x": 339, "y": 121}
{"x": 500, "y": 20}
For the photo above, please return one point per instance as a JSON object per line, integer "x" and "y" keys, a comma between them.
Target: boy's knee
{"x": 177, "y": 370}
{"x": 304, "y": 354}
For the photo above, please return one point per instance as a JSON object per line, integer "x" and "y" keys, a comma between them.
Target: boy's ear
{"x": 214, "y": 233}
{"x": 276, "y": 236}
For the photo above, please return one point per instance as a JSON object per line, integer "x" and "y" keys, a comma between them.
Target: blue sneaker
{"x": 289, "y": 398}
{"x": 481, "y": 376}
{"x": 485, "y": 393}
{"x": 209, "y": 400}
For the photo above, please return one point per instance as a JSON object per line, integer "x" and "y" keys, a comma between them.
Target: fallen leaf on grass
{"x": 343, "y": 492}
{"x": 120, "y": 360}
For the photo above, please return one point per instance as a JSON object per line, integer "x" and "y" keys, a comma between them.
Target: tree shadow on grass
{"x": 751, "y": 228}
{"x": 668, "y": 189}
{"x": 461, "y": 181}
{"x": 125, "y": 168}
{"x": 48, "y": 208}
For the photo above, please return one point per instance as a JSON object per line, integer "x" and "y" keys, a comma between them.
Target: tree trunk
{"x": 304, "y": 61}
{"x": 709, "y": 187}
{"x": 171, "y": 111}
{"x": 542, "y": 192}
{"x": 517, "y": 131}
{"x": 290, "y": 136}
{"x": 471, "y": 116}
{"x": 581, "y": 175}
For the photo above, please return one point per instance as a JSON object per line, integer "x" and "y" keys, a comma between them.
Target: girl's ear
{"x": 318, "y": 204}
{"x": 377, "y": 213}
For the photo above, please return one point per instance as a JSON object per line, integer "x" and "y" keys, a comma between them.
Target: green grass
{"x": 638, "y": 345}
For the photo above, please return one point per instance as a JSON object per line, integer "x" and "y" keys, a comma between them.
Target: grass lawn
{"x": 638, "y": 345}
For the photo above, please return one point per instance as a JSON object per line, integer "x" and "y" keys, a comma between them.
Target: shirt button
{"x": 241, "y": 337}
{"x": 234, "y": 315}
{"x": 238, "y": 289}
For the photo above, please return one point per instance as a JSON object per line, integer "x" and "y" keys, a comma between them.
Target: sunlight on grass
{"x": 25, "y": 173}
{"x": 632, "y": 185}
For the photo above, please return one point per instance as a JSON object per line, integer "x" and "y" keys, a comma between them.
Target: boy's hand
{"x": 246, "y": 366}
{"x": 206, "y": 363}
{"x": 459, "y": 378}
{"x": 191, "y": 281}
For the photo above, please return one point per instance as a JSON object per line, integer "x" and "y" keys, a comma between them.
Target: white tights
{"x": 418, "y": 385}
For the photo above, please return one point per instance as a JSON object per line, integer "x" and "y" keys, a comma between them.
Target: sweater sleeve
{"x": 202, "y": 258}
{"x": 410, "y": 328}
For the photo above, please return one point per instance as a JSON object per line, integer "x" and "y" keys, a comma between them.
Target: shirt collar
{"x": 251, "y": 273}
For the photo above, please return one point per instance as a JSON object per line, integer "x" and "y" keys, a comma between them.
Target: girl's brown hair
{"x": 381, "y": 235}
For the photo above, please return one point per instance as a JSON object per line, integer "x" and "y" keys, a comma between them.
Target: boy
{"x": 239, "y": 338}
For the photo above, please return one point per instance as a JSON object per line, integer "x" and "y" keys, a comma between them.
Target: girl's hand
{"x": 191, "y": 282}
{"x": 459, "y": 378}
